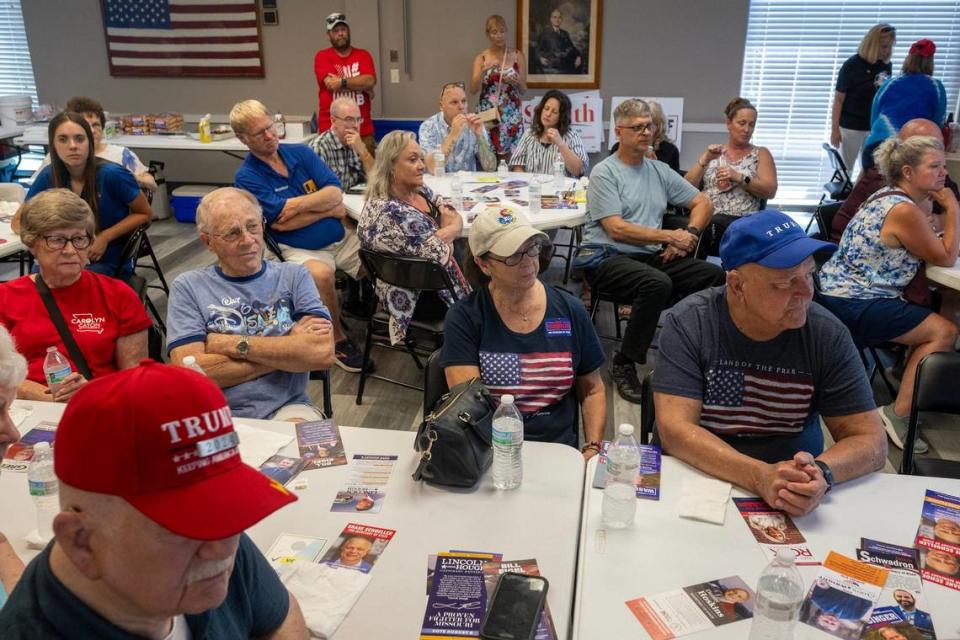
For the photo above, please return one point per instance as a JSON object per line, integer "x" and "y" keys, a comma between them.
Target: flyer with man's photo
{"x": 842, "y": 596}
{"x": 320, "y": 444}
{"x": 695, "y": 608}
{"x": 938, "y": 539}
{"x": 358, "y": 547}
{"x": 901, "y": 604}
{"x": 774, "y": 530}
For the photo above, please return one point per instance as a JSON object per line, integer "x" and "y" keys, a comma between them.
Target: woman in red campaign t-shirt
{"x": 104, "y": 315}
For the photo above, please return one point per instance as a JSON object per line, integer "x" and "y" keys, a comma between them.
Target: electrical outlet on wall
{"x": 395, "y": 76}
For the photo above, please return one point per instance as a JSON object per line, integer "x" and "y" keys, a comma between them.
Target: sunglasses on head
{"x": 458, "y": 85}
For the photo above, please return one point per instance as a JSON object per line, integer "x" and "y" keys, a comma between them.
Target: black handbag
{"x": 455, "y": 438}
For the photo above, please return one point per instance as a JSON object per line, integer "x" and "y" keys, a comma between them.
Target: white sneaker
{"x": 897, "y": 428}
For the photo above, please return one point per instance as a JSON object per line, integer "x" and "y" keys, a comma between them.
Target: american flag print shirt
{"x": 535, "y": 380}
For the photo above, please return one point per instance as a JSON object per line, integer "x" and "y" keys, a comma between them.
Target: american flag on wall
{"x": 183, "y": 37}
{"x": 741, "y": 400}
{"x": 536, "y": 380}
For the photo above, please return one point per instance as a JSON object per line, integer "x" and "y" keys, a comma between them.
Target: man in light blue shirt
{"x": 256, "y": 327}
{"x": 459, "y": 135}
{"x": 627, "y": 198}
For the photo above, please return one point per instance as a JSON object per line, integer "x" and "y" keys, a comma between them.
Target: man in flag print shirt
{"x": 745, "y": 371}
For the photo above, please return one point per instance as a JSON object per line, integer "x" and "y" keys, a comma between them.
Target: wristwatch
{"x": 694, "y": 230}
{"x": 243, "y": 348}
{"x": 343, "y": 83}
{"x": 827, "y": 473}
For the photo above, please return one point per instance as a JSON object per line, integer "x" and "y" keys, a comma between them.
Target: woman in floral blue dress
{"x": 500, "y": 75}
{"x": 403, "y": 217}
{"x": 880, "y": 251}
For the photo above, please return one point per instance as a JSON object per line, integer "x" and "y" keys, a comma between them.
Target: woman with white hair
{"x": 403, "y": 217}
{"x": 13, "y": 369}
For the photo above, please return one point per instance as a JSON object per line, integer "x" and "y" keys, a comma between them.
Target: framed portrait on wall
{"x": 561, "y": 39}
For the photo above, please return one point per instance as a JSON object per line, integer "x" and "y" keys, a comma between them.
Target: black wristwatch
{"x": 243, "y": 347}
{"x": 694, "y": 230}
{"x": 746, "y": 180}
{"x": 827, "y": 473}
{"x": 343, "y": 83}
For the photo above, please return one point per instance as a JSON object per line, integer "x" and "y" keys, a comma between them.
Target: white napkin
{"x": 325, "y": 594}
{"x": 257, "y": 445}
{"x": 704, "y": 499}
{"x": 19, "y": 414}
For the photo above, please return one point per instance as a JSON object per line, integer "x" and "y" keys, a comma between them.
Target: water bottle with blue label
{"x": 56, "y": 368}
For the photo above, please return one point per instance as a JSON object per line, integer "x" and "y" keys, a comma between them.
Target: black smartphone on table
{"x": 515, "y": 608}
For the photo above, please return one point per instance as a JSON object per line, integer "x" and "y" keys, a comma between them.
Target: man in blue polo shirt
{"x": 303, "y": 205}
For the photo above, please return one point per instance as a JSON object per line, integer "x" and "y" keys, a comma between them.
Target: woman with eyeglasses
{"x": 857, "y": 83}
{"x": 119, "y": 206}
{"x": 551, "y": 138}
{"x": 736, "y": 176}
{"x": 524, "y": 338}
{"x": 104, "y": 316}
{"x": 500, "y": 75}
{"x": 403, "y": 217}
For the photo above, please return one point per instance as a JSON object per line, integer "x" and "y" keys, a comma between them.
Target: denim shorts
{"x": 876, "y": 320}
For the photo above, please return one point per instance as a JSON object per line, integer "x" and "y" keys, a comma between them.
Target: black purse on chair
{"x": 455, "y": 438}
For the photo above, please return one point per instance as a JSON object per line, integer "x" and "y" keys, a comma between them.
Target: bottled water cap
{"x": 190, "y": 360}
{"x": 786, "y": 555}
{"x": 506, "y": 399}
{"x": 41, "y": 447}
{"x": 626, "y": 429}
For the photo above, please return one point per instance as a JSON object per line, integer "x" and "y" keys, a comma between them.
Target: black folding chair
{"x": 839, "y": 186}
{"x": 415, "y": 274}
{"x": 935, "y": 389}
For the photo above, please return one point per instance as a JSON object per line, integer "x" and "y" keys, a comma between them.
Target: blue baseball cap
{"x": 770, "y": 238}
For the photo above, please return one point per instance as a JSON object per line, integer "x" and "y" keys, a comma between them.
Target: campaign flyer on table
{"x": 938, "y": 539}
{"x": 842, "y": 596}
{"x": 695, "y": 608}
{"x": 281, "y": 468}
{"x": 320, "y": 444}
{"x": 289, "y": 548}
{"x": 20, "y": 453}
{"x": 458, "y": 597}
{"x": 901, "y": 606}
{"x": 365, "y": 488}
{"x": 774, "y": 530}
{"x": 648, "y": 475}
{"x": 358, "y": 547}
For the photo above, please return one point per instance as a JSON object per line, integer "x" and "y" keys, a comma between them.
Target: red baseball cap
{"x": 161, "y": 437}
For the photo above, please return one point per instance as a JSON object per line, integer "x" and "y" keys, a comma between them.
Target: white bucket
{"x": 15, "y": 110}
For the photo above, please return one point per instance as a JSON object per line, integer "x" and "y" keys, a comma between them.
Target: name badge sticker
{"x": 557, "y": 327}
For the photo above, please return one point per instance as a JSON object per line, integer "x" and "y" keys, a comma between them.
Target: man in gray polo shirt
{"x": 627, "y": 198}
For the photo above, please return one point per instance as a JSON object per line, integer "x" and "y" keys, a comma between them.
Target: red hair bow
{"x": 923, "y": 48}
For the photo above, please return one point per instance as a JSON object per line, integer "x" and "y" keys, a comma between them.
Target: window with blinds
{"x": 16, "y": 70}
{"x": 793, "y": 53}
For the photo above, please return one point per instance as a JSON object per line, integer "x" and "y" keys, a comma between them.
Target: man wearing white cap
{"x": 154, "y": 501}
{"x": 745, "y": 371}
{"x": 526, "y": 339}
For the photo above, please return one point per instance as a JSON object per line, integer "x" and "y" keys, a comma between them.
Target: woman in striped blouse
{"x": 551, "y": 138}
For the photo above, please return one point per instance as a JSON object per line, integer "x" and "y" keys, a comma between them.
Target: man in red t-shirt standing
{"x": 344, "y": 72}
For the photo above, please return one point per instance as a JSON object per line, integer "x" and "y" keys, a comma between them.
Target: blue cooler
{"x": 185, "y": 199}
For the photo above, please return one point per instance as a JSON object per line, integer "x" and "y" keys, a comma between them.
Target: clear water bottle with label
{"x": 559, "y": 173}
{"x": 507, "y": 445}
{"x": 190, "y": 362}
{"x": 439, "y": 164}
{"x": 536, "y": 190}
{"x": 723, "y": 184}
{"x": 456, "y": 192}
{"x": 620, "y": 494}
{"x": 280, "y": 125}
{"x": 502, "y": 168}
{"x": 44, "y": 488}
{"x": 779, "y": 596}
{"x": 55, "y": 369}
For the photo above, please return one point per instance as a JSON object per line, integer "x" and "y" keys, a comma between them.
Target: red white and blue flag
{"x": 183, "y": 37}
{"x": 741, "y": 400}
{"x": 536, "y": 380}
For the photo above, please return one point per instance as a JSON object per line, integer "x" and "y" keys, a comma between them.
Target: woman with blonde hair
{"x": 857, "y": 83}
{"x": 500, "y": 75}
{"x": 880, "y": 252}
{"x": 403, "y": 217}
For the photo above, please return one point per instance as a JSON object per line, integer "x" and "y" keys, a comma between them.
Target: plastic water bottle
{"x": 779, "y": 595}
{"x": 55, "y": 369}
{"x": 559, "y": 175}
{"x": 44, "y": 488}
{"x": 620, "y": 494}
{"x": 190, "y": 362}
{"x": 502, "y": 168}
{"x": 536, "y": 190}
{"x": 280, "y": 125}
{"x": 439, "y": 164}
{"x": 723, "y": 184}
{"x": 456, "y": 191}
{"x": 507, "y": 443}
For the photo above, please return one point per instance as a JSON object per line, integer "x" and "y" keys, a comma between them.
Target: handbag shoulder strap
{"x": 57, "y": 318}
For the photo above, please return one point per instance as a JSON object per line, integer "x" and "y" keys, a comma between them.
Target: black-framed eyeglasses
{"x": 56, "y": 243}
{"x": 236, "y": 234}
{"x": 640, "y": 128}
{"x": 532, "y": 251}
{"x": 458, "y": 85}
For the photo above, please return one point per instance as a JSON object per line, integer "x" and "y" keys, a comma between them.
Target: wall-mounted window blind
{"x": 793, "y": 53}
{"x": 16, "y": 70}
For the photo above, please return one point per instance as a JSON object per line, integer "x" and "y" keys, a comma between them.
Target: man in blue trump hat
{"x": 745, "y": 371}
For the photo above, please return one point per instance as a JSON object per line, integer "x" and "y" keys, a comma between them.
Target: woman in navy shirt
{"x": 526, "y": 339}
{"x": 118, "y": 204}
